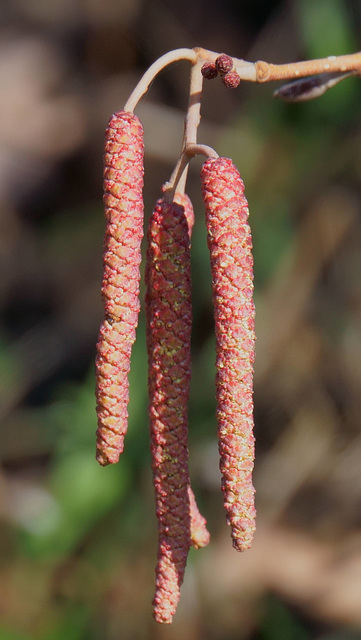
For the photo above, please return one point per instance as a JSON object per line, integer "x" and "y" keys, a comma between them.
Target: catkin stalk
{"x": 123, "y": 200}
{"x": 230, "y": 244}
{"x": 169, "y": 316}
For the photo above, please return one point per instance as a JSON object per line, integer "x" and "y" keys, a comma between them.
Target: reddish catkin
{"x": 199, "y": 533}
{"x": 230, "y": 244}
{"x": 123, "y": 200}
{"x": 169, "y": 317}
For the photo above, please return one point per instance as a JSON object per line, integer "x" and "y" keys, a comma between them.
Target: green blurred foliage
{"x": 280, "y": 624}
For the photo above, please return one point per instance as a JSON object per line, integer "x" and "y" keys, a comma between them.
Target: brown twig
{"x": 260, "y": 71}
{"x": 267, "y": 72}
{"x": 190, "y": 147}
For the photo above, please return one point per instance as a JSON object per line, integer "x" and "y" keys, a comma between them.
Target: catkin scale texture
{"x": 123, "y": 201}
{"x": 230, "y": 244}
{"x": 169, "y": 317}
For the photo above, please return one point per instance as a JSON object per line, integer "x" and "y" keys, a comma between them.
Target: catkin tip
{"x": 105, "y": 458}
{"x": 102, "y": 459}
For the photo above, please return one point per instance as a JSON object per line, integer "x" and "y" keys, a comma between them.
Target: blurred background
{"x": 77, "y": 542}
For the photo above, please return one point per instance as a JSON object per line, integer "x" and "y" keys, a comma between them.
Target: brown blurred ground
{"x": 78, "y": 543}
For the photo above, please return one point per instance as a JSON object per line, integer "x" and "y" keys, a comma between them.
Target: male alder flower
{"x": 169, "y": 318}
{"x": 123, "y": 200}
{"x": 168, "y": 305}
{"x": 229, "y": 241}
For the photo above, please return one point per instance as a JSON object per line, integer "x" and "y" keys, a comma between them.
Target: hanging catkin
{"x": 229, "y": 241}
{"x": 169, "y": 316}
{"x": 123, "y": 200}
{"x": 199, "y": 533}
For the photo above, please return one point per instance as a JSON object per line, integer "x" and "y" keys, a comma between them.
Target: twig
{"x": 260, "y": 71}
{"x": 190, "y": 147}
{"x": 157, "y": 66}
{"x": 267, "y": 72}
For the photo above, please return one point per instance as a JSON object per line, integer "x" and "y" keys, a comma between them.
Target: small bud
{"x": 231, "y": 79}
{"x": 209, "y": 70}
{"x": 310, "y": 88}
{"x": 224, "y": 63}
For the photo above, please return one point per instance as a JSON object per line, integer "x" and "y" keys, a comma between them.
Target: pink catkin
{"x": 199, "y": 533}
{"x": 123, "y": 200}
{"x": 169, "y": 317}
{"x": 230, "y": 244}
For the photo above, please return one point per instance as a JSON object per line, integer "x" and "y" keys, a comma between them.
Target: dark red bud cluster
{"x": 223, "y": 66}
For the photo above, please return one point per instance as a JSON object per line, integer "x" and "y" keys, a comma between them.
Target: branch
{"x": 266, "y": 72}
{"x": 157, "y": 66}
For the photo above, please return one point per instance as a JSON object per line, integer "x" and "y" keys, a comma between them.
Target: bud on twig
{"x": 229, "y": 240}
{"x": 224, "y": 63}
{"x": 123, "y": 183}
{"x": 231, "y": 79}
{"x": 310, "y": 88}
{"x": 209, "y": 70}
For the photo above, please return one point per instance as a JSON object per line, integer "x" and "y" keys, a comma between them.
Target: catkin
{"x": 123, "y": 200}
{"x": 230, "y": 244}
{"x": 169, "y": 316}
{"x": 199, "y": 533}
